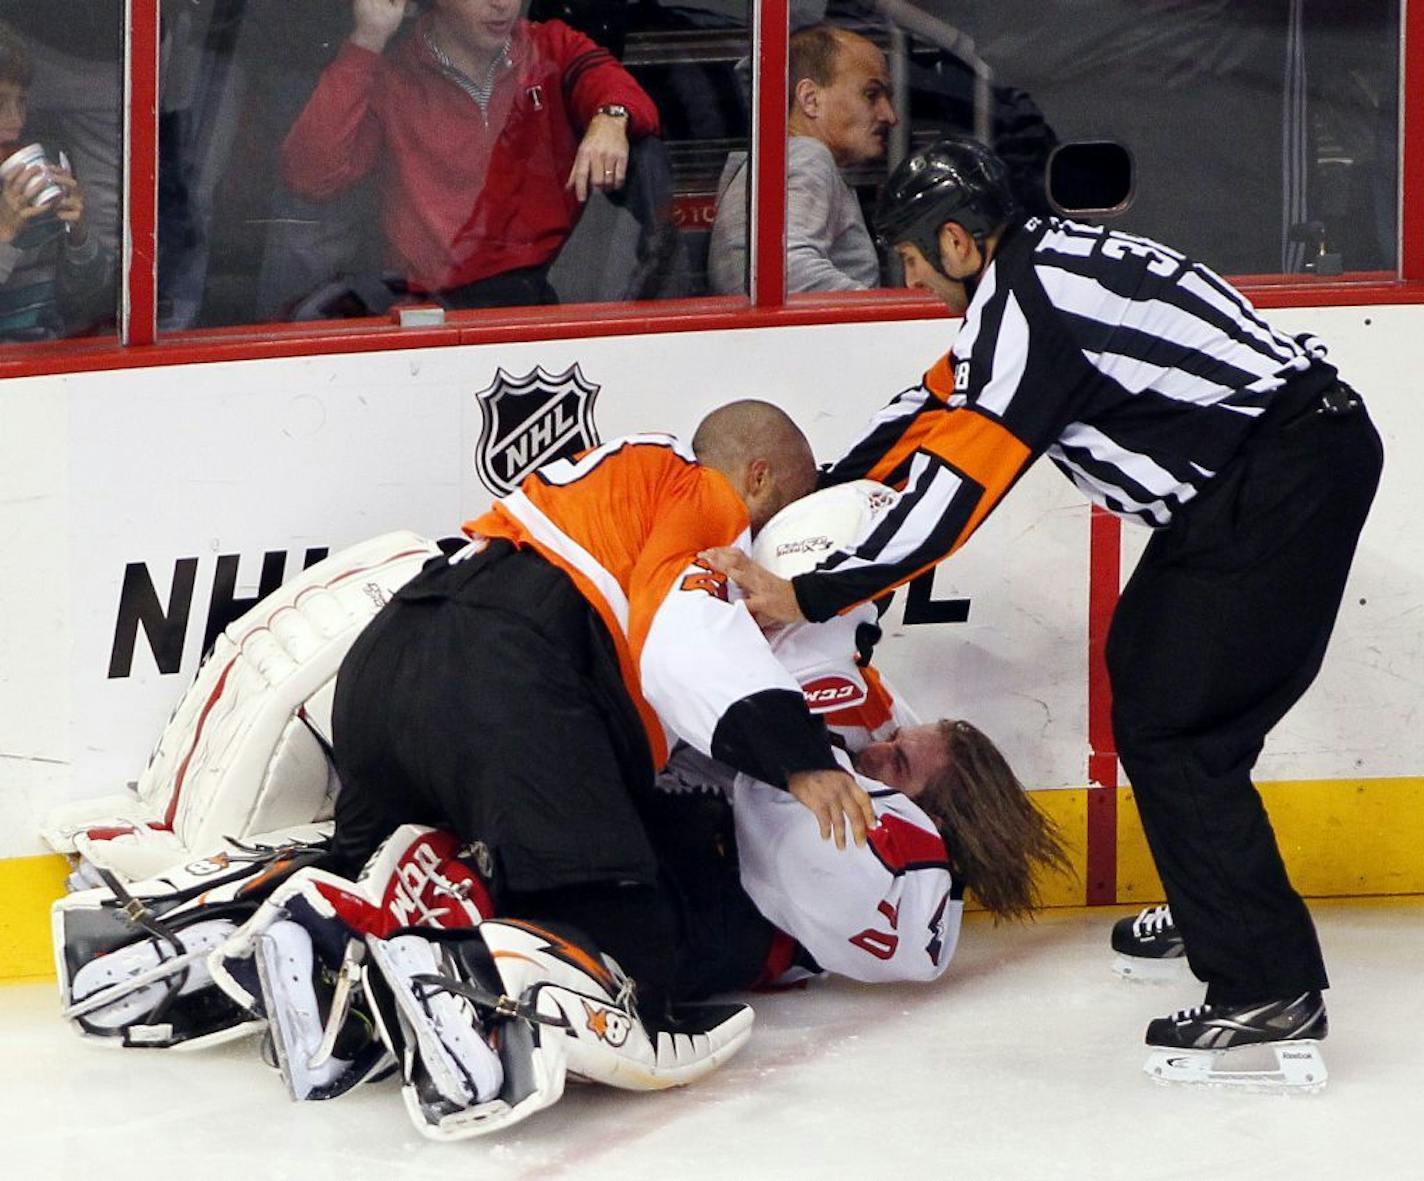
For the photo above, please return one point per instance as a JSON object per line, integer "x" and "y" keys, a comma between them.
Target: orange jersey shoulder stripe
{"x": 972, "y": 443}
{"x": 623, "y": 521}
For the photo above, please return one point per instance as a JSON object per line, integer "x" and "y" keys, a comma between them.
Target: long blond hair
{"x": 995, "y": 835}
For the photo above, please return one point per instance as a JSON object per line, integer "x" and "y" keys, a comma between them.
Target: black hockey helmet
{"x": 953, "y": 179}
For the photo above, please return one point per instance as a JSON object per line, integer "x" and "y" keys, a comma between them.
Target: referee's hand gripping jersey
{"x": 1161, "y": 393}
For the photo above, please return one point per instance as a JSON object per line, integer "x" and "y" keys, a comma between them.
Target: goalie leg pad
{"x": 296, "y": 961}
{"x": 416, "y": 877}
{"x": 301, "y": 970}
{"x": 568, "y": 982}
{"x": 467, "y": 1068}
{"x": 462, "y": 1065}
{"x": 132, "y": 960}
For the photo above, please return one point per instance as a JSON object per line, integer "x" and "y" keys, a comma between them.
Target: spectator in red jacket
{"x": 486, "y": 132}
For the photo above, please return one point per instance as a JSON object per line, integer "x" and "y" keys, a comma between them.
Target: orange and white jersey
{"x": 626, "y": 521}
{"x": 883, "y": 912}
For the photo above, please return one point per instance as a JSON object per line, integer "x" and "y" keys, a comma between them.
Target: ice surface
{"x": 1024, "y": 1062}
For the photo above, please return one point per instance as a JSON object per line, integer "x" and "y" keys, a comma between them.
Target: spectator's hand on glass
{"x": 70, "y": 207}
{"x": 376, "y": 22}
{"x": 16, "y": 208}
{"x": 602, "y": 160}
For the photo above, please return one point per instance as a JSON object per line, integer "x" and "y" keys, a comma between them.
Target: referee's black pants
{"x": 1221, "y": 628}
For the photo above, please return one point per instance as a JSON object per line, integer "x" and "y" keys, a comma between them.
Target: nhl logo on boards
{"x": 531, "y": 420}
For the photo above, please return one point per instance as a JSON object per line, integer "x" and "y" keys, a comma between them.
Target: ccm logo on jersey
{"x": 833, "y": 692}
{"x": 607, "y": 1025}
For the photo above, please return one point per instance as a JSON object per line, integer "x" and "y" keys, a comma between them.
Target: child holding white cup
{"x": 50, "y": 266}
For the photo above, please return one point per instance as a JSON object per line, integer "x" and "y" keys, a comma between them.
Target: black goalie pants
{"x": 486, "y": 698}
{"x": 1221, "y": 628}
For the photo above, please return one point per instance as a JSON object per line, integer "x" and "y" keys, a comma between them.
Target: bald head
{"x": 761, "y": 452}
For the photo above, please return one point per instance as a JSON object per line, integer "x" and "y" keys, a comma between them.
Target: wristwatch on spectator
{"x": 613, "y": 110}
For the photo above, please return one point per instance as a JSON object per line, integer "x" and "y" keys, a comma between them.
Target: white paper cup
{"x": 40, "y": 190}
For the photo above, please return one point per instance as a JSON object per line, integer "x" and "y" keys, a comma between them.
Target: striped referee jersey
{"x": 1137, "y": 370}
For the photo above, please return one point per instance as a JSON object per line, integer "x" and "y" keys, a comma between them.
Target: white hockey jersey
{"x": 887, "y": 911}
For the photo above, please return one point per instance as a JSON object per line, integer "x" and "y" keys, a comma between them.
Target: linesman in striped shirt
{"x": 1161, "y": 393}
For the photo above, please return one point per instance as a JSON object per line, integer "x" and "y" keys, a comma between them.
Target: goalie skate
{"x": 1273, "y": 1046}
{"x": 472, "y": 1061}
{"x": 324, "y": 1046}
{"x": 126, "y": 997}
{"x": 1149, "y": 948}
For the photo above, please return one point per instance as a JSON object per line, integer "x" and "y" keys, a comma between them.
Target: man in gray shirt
{"x": 840, "y": 116}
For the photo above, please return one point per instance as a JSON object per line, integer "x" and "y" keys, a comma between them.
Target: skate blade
{"x": 1276, "y": 1067}
{"x": 292, "y": 1036}
{"x": 460, "y": 1082}
{"x": 1145, "y": 971}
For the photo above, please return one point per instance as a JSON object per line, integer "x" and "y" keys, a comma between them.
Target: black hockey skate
{"x": 1267, "y": 1045}
{"x": 1149, "y": 947}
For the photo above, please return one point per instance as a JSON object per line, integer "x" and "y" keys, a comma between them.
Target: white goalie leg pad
{"x": 415, "y": 878}
{"x": 462, "y": 1065}
{"x": 1290, "y": 1067}
{"x": 570, "y": 983}
{"x": 471, "y": 1064}
{"x": 297, "y": 960}
{"x": 245, "y": 750}
{"x": 297, "y": 963}
{"x": 135, "y": 996}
